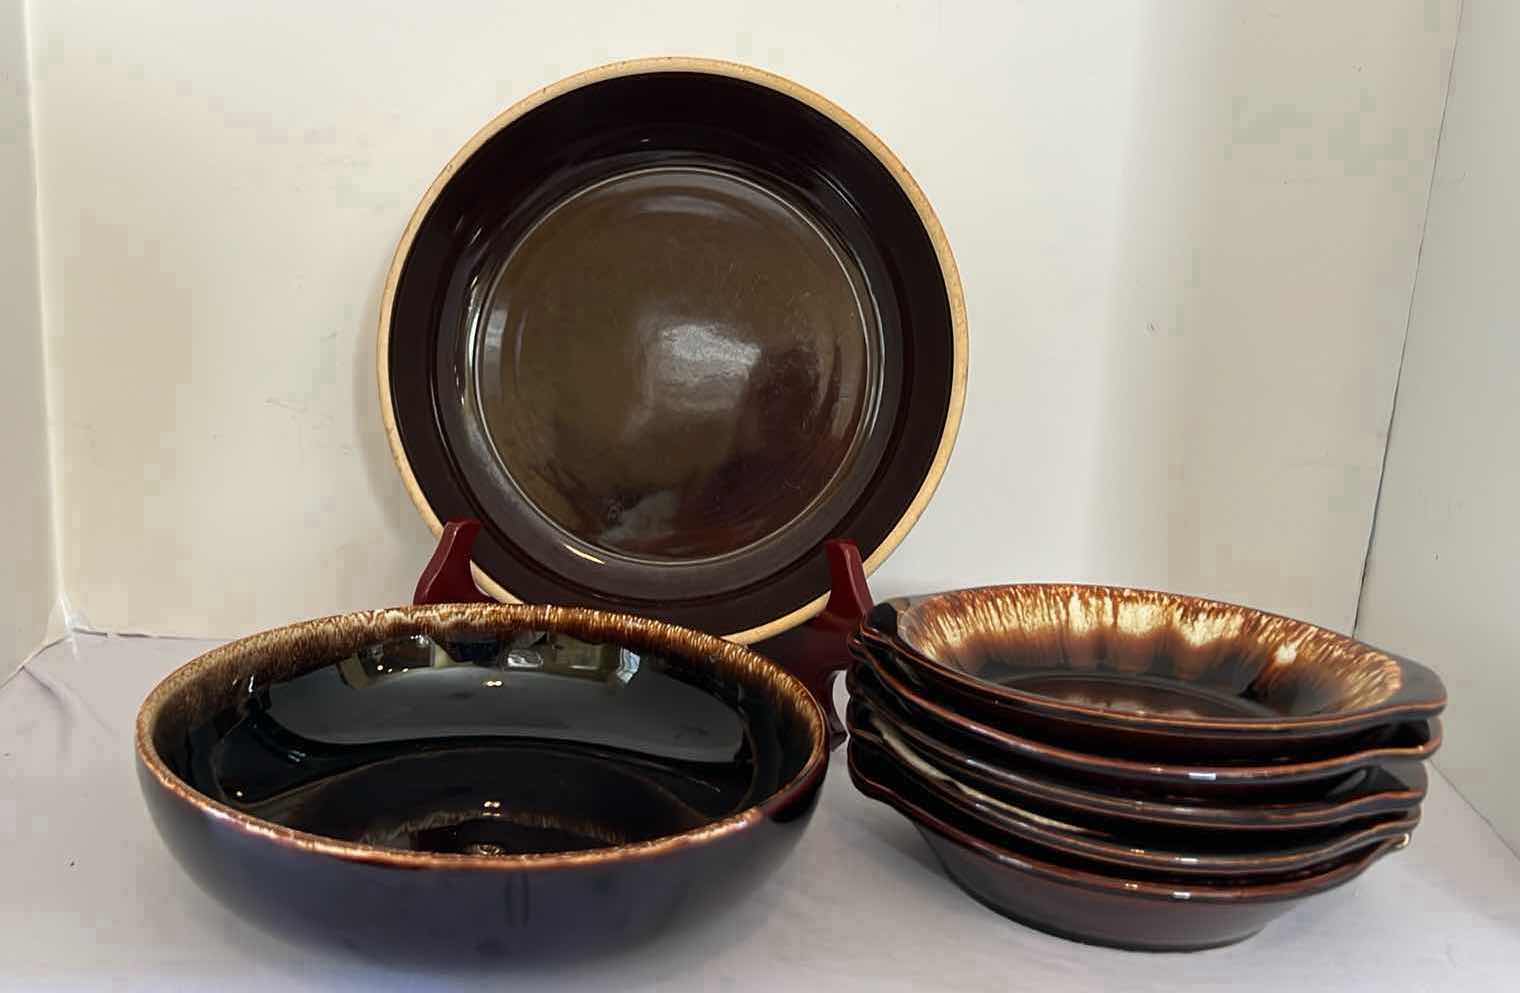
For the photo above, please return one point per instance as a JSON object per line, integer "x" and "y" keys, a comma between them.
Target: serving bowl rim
{"x": 403, "y": 621}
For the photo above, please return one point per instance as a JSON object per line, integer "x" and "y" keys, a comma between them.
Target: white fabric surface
{"x": 93, "y": 900}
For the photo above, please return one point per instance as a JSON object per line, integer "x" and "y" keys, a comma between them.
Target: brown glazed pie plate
{"x": 1248, "y": 783}
{"x": 469, "y": 783}
{"x": 665, "y": 327}
{"x": 1072, "y": 900}
{"x": 1172, "y": 854}
{"x": 1380, "y": 791}
{"x": 1142, "y": 672}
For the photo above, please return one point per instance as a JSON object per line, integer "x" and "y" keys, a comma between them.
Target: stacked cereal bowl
{"x": 1137, "y": 769}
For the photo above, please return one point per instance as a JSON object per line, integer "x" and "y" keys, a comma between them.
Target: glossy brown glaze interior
{"x": 1158, "y": 659}
{"x": 677, "y": 363}
{"x": 221, "y": 679}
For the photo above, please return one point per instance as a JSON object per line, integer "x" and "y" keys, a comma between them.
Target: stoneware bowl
{"x": 1379, "y": 791}
{"x": 1076, "y": 901}
{"x": 664, "y": 327}
{"x": 1169, "y": 853}
{"x": 1104, "y": 766}
{"x": 1150, "y": 673}
{"x": 476, "y": 782}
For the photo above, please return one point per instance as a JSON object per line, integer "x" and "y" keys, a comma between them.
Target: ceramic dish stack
{"x": 1137, "y": 769}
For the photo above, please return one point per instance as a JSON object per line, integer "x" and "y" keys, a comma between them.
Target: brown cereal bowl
{"x": 1380, "y": 791}
{"x": 1271, "y": 782}
{"x": 1152, "y": 673}
{"x": 1172, "y": 853}
{"x": 1076, "y": 901}
{"x": 477, "y": 783}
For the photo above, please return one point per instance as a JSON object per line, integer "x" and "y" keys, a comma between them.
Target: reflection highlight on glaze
{"x": 675, "y": 364}
{"x": 531, "y": 743}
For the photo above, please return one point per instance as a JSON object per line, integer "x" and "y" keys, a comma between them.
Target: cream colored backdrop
{"x": 27, "y": 587}
{"x": 1443, "y": 580}
{"x": 1188, "y": 233}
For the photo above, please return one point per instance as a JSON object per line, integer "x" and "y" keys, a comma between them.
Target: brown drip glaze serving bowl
{"x": 1383, "y": 790}
{"x": 467, "y": 783}
{"x": 1077, "y": 900}
{"x": 1138, "y": 672}
{"x": 876, "y": 681}
{"x": 665, "y": 327}
{"x": 1172, "y": 854}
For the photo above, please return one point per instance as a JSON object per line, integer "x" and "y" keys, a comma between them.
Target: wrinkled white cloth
{"x": 93, "y": 900}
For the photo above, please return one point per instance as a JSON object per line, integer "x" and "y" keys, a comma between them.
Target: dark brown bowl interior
{"x": 1157, "y": 659}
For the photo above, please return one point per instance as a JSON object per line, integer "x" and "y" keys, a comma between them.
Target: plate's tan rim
{"x": 519, "y": 615}
{"x": 771, "y": 81}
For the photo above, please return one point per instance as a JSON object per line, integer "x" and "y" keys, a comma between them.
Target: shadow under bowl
{"x": 1157, "y": 674}
{"x": 477, "y": 783}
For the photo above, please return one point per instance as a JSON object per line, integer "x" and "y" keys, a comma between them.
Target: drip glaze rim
{"x": 1415, "y": 692}
{"x": 316, "y": 640}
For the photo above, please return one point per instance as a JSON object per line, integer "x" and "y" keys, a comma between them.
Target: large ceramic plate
{"x": 665, "y": 327}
